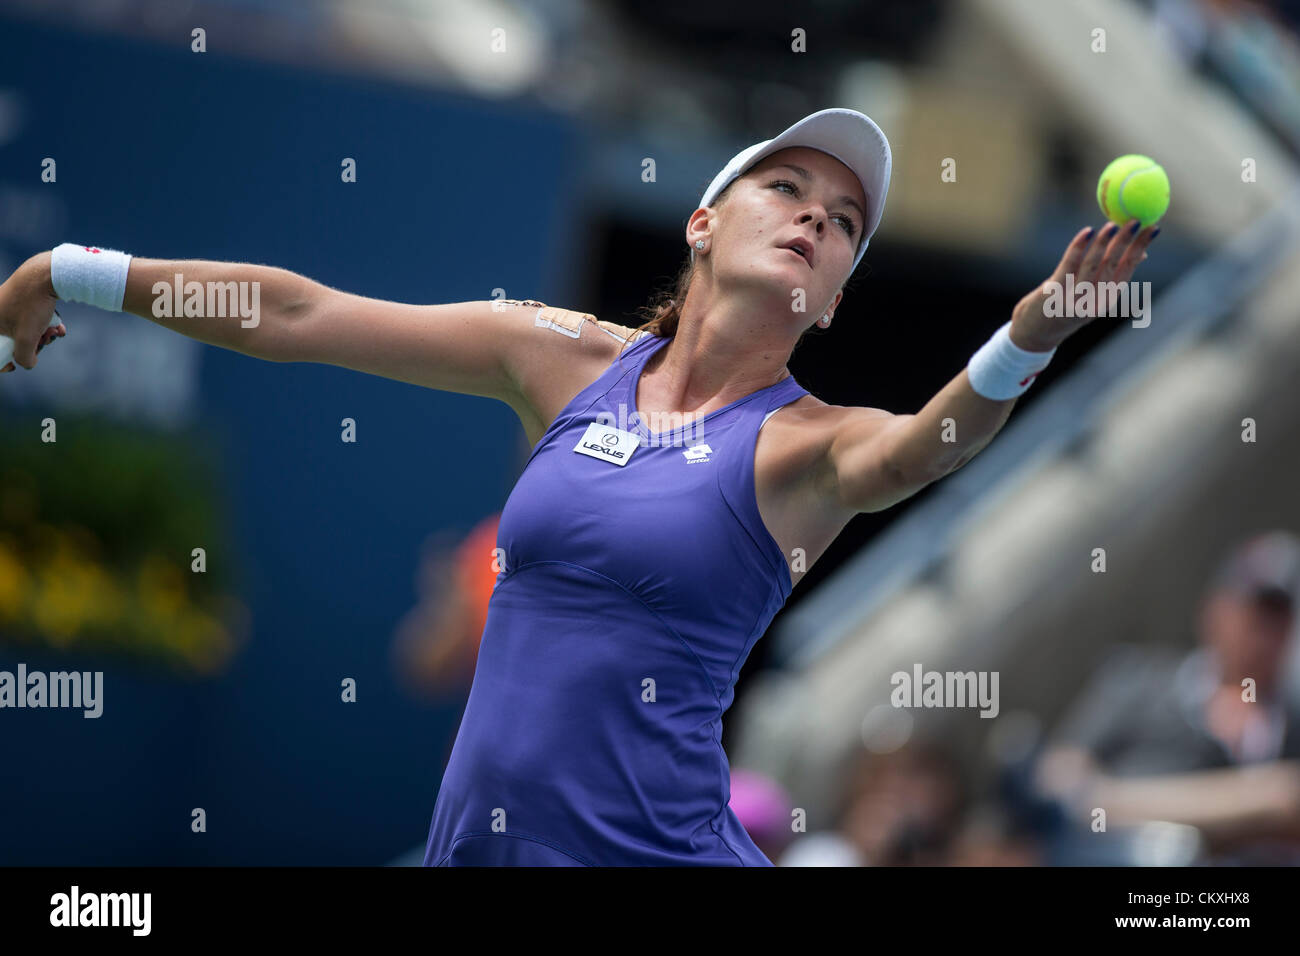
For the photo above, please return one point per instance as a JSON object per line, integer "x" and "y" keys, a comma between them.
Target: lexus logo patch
{"x": 607, "y": 443}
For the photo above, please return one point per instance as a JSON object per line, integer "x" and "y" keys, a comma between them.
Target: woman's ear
{"x": 835, "y": 302}
{"x": 697, "y": 227}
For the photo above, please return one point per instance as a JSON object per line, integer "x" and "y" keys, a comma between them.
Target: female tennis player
{"x": 642, "y": 559}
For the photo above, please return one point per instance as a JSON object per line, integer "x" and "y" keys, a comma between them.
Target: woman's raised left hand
{"x": 1093, "y": 256}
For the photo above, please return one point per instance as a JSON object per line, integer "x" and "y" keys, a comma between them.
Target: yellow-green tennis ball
{"x": 1133, "y": 187}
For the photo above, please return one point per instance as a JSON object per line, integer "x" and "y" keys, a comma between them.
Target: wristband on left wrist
{"x": 1002, "y": 370}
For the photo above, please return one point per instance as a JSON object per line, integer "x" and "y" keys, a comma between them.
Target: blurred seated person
{"x": 1210, "y": 739}
{"x": 903, "y": 807}
{"x": 435, "y": 649}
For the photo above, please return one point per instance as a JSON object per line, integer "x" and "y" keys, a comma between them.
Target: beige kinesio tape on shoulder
{"x": 568, "y": 322}
{"x": 621, "y": 332}
{"x": 548, "y": 317}
{"x": 562, "y": 320}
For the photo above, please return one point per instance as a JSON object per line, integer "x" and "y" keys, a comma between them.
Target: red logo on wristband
{"x": 89, "y": 249}
{"x": 1026, "y": 381}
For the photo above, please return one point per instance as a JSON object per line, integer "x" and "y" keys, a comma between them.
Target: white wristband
{"x": 89, "y": 274}
{"x": 1001, "y": 369}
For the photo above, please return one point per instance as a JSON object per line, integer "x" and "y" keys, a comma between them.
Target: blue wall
{"x": 181, "y": 155}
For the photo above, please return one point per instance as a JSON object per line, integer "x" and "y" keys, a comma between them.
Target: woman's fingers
{"x": 1134, "y": 254}
{"x": 1074, "y": 254}
{"x": 1115, "y": 252}
{"x": 49, "y": 335}
{"x": 1087, "y": 271}
{"x": 1111, "y": 255}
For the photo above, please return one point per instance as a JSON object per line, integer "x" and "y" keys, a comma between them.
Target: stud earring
{"x": 699, "y": 243}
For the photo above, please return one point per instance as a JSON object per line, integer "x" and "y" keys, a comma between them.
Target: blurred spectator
{"x": 435, "y": 649}
{"x": 1209, "y": 739}
{"x": 1248, "y": 45}
{"x": 991, "y": 837}
{"x": 822, "y": 848}
{"x": 436, "y": 646}
{"x": 902, "y": 808}
{"x": 764, "y": 810}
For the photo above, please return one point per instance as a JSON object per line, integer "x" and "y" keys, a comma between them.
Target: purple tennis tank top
{"x": 637, "y": 576}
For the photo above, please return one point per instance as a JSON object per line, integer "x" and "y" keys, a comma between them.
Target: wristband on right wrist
{"x": 89, "y": 274}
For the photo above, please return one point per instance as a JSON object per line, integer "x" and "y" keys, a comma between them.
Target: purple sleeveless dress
{"x": 637, "y": 578}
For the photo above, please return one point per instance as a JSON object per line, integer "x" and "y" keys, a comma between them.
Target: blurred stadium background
{"x": 522, "y": 171}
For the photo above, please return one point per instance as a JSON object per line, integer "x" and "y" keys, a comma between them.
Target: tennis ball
{"x": 1133, "y": 187}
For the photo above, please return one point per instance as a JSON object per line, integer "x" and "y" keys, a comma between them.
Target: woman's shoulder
{"x": 625, "y": 332}
{"x": 570, "y": 322}
{"x": 563, "y": 351}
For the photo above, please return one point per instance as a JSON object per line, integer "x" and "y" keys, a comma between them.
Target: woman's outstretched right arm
{"x": 280, "y": 316}
{"x": 457, "y": 347}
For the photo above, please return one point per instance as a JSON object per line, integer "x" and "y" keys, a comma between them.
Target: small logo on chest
{"x": 697, "y": 454}
{"x": 607, "y": 443}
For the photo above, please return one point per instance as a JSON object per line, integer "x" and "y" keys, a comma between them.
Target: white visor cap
{"x": 849, "y": 136}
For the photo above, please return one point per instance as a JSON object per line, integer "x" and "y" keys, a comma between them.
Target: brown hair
{"x": 663, "y": 311}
